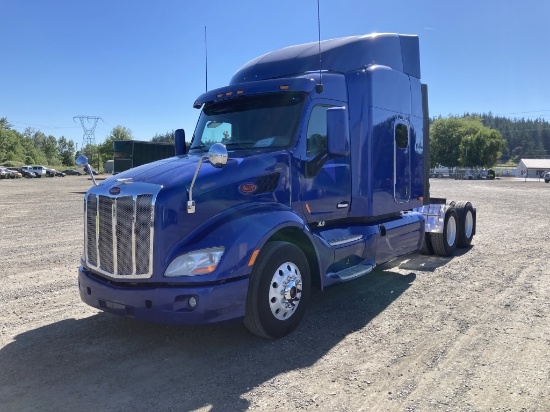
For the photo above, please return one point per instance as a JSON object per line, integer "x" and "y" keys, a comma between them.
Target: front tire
{"x": 278, "y": 291}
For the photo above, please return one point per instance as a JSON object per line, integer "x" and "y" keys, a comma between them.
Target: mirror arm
{"x": 217, "y": 155}
{"x": 83, "y": 161}
{"x": 92, "y": 174}
{"x": 191, "y": 202}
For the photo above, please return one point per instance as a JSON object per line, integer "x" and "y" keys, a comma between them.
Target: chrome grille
{"x": 119, "y": 234}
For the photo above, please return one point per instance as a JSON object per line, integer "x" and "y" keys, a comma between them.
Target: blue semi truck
{"x": 309, "y": 169}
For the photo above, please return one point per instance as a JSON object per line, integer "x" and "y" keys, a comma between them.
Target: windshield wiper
{"x": 246, "y": 143}
{"x": 200, "y": 146}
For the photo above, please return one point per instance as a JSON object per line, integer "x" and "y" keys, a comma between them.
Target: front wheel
{"x": 279, "y": 290}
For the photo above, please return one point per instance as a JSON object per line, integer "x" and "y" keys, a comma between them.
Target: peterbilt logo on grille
{"x": 247, "y": 188}
{"x": 115, "y": 190}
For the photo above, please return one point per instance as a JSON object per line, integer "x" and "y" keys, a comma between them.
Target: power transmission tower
{"x": 89, "y": 128}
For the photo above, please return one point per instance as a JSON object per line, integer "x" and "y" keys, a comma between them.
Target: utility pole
{"x": 89, "y": 131}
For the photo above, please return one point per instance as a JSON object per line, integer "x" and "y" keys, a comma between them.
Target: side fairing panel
{"x": 401, "y": 236}
{"x": 389, "y": 179}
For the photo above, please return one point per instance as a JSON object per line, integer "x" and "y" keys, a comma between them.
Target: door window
{"x": 317, "y": 131}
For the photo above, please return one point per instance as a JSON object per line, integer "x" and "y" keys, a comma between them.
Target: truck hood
{"x": 170, "y": 172}
{"x": 261, "y": 177}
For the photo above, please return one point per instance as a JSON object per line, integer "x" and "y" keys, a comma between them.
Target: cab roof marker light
{"x": 240, "y": 91}
{"x": 284, "y": 87}
{"x": 228, "y": 93}
{"x": 219, "y": 95}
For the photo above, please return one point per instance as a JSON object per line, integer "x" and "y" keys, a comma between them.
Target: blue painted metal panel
{"x": 402, "y": 236}
{"x": 240, "y": 230}
{"x": 324, "y": 184}
{"x": 342, "y": 55}
{"x": 166, "y": 304}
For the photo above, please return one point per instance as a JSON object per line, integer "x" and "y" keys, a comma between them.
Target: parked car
{"x": 4, "y": 173}
{"x": 16, "y": 173}
{"x": 39, "y": 170}
{"x": 547, "y": 177}
{"x": 54, "y": 172}
{"x": 87, "y": 171}
{"x": 27, "y": 173}
{"x": 72, "y": 172}
{"x": 7, "y": 173}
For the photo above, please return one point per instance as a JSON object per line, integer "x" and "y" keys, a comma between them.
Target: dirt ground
{"x": 467, "y": 333}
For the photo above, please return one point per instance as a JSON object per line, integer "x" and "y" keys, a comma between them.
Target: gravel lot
{"x": 468, "y": 333}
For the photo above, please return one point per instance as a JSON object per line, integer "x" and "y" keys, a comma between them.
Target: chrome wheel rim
{"x": 451, "y": 231}
{"x": 469, "y": 224}
{"x": 285, "y": 291}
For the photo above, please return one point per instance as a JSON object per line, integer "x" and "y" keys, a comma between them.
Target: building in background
{"x": 532, "y": 167}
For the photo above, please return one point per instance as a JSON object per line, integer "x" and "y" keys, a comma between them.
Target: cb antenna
{"x": 319, "y": 86}
{"x": 206, "y": 58}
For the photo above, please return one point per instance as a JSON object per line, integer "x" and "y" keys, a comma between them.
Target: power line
{"x": 43, "y": 126}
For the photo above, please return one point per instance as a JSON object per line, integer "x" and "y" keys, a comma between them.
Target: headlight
{"x": 200, "y": 262}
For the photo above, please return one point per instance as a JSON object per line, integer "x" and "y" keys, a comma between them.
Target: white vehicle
{"x": 39, "y": 170}
{"x": 440, "y": 171}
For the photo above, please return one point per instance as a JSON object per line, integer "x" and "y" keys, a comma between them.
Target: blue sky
{"x": 141, "y": 64}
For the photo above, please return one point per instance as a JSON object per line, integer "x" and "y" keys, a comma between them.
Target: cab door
{"x": 325, "y": 182}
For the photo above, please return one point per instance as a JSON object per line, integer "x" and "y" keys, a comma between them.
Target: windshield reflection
{"x": 265, "y": 121}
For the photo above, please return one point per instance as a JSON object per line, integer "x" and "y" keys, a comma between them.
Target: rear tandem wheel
{"x": 444, "y": 244}
{"x": 466, "y": 223}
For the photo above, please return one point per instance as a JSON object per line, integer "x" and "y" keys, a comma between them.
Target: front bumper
{"x": 166, "y": 304}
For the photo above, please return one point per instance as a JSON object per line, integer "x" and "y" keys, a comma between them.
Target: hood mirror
{"x": 217, "y": 155}
{"x": 83, "y": 161}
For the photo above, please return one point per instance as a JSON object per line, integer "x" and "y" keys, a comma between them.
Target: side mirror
{"x": 217, "y": 155}
{"x": 179, "y": 142}
{"x": 83, "y": 161}
{"x": 337, "y": 131}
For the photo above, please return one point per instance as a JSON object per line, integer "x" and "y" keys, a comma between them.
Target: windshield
{"x": 259, "y": 122}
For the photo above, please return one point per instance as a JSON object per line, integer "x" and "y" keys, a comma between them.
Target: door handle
{"x": 342, "y": 205}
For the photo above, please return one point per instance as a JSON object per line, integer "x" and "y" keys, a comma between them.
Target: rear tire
{"x": 278, "y": 292}
{"x": 466, "y": 223}
{"x": 427, "y": 247}
{"x": 444, "y": 244}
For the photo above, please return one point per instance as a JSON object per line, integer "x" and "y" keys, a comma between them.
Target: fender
{"x": 241, "y": 231}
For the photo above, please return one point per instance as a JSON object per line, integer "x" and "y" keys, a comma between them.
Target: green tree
{"x": 105, "y": 149}
{"x": 66, "y": 150}
{"x": 10, "y": 146}
{"x": 4, "y": 124}
{"x": 464, "y": 142}
{"x": 445, "y": 137}
{"x": 167, "y": 137}
{"x": 51, "y": 151}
